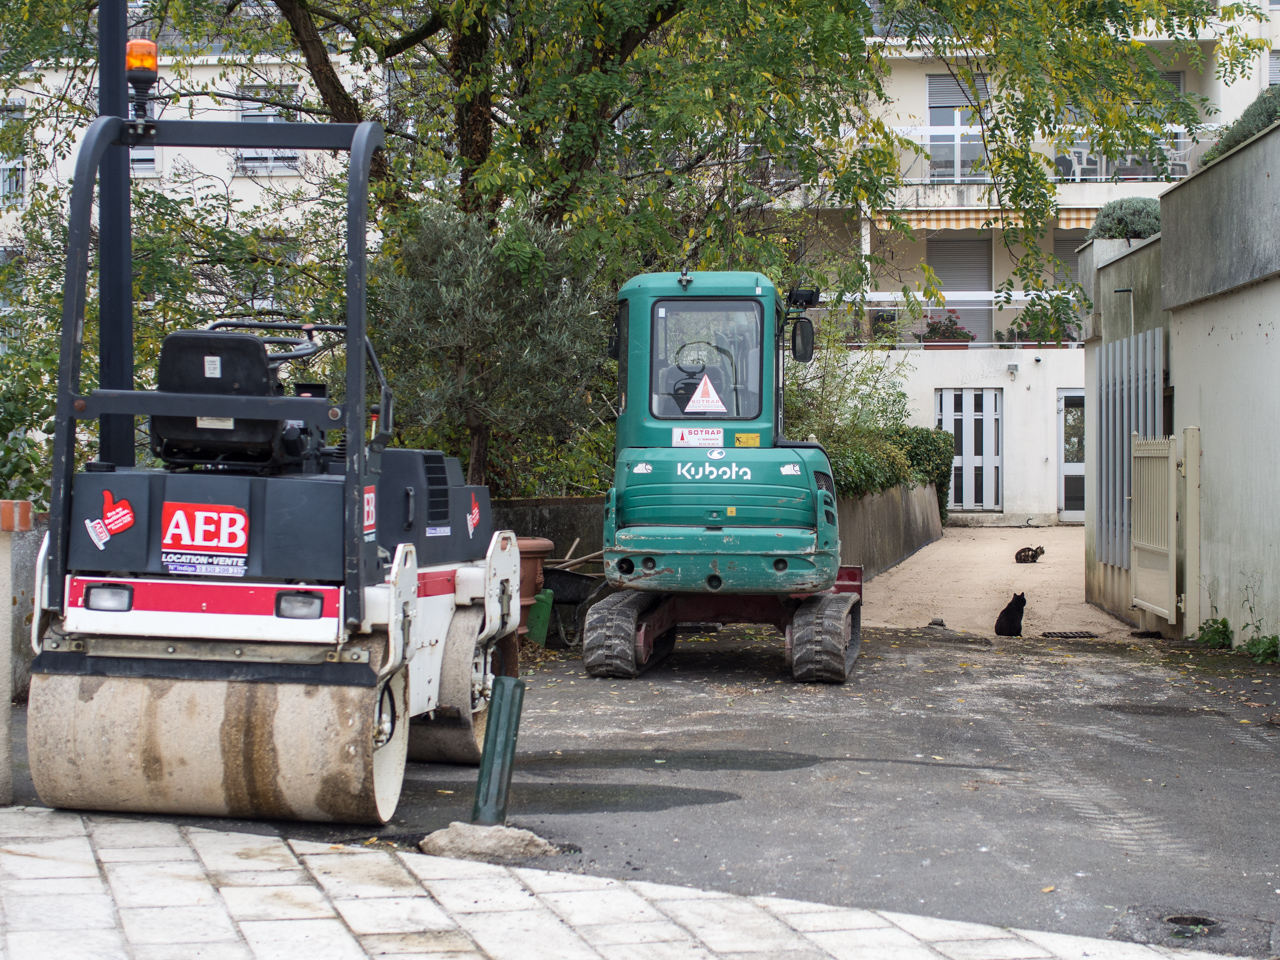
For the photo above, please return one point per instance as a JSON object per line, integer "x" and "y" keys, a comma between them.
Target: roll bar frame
{"x": 360, "y": 140}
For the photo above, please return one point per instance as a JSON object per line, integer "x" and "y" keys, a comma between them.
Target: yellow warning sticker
{"x": 746, "y": 439}
{"x": 731, "y": 511}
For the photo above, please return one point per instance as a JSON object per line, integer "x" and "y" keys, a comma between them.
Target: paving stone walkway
{"x": 98, "y": 887}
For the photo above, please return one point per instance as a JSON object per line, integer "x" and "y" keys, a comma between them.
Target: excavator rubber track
{"x": 826, "y": 635}
{"x": 609, "y": 642}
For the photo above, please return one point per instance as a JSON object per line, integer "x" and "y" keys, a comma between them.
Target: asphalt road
{"x": 1067, "y": 786}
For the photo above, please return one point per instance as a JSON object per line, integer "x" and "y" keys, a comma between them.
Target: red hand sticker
{"x": 117, "y": 515}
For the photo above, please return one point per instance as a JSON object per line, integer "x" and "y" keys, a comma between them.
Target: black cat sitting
{"x": 1009, "y": 623}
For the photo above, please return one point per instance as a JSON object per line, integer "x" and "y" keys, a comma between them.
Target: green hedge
{"x": 1129, "y": 218}
{"x": 869, "y": 466}
{"x": 1262, "y": 113}
{"x": 931, "y": 454}
{"x": 884, "y": 459}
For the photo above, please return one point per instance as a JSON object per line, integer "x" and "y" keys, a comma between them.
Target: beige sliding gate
{"x": 1153, "y": 562}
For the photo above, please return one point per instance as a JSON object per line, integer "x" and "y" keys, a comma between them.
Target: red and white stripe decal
{"x": 436, "y": 583}
{"x": 200, "y": 596}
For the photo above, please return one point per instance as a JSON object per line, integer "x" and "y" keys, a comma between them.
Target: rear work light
{"x": 299, "y": 606}
{"x": 114, "y": 597}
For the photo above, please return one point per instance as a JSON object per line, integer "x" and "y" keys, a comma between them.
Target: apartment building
{"x": 1018, "y": 411}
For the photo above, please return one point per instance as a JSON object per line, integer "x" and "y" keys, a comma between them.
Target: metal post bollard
{"x": 493, "y": 787}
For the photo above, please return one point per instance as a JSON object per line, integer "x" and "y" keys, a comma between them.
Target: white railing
{"x": 956, "y": 155}
{"x": 976, "y": 311}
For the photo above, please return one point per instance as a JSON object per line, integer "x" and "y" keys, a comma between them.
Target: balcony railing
{"x": 975, "y": 311}
{"x": 956, "y": 155}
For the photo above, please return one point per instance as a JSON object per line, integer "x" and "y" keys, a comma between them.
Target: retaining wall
{"x": 560, "y": 519}
{"x": 876, "y": 531}
{"x": 881, "y": 530}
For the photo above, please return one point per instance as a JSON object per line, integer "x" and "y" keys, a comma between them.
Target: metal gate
{"x": 1153, "y": 560}
{"x": 1130, "y": 392}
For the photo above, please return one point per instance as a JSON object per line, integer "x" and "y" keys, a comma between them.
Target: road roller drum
{"x": 219, "y": 748}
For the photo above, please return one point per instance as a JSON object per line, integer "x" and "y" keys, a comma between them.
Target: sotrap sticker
{"x": 705, "y": 399}
{"x": 697, "y": 436}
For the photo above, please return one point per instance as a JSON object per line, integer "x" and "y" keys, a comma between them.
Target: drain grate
{"x": 1069, "y": 635}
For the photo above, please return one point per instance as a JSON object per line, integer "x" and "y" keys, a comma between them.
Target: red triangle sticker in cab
{"x": 705, "y": 399}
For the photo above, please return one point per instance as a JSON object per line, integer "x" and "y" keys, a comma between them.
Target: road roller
{"x": 280, "y": 610}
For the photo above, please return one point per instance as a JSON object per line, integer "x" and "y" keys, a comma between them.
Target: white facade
{"x": 1223, "y": 356}
{"x": 1030, "y": 452}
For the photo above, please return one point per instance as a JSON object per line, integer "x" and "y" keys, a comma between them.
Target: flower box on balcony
{"x": 946, "y": 344}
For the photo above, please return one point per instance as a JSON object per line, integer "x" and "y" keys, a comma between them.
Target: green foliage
{"x": 931, "y": 454}
{"x": 847, "y": 400}
{"x": 1215, "y": 633}
{"x": 656, "y": 133}
{"x": 868, "y": 464}
{"x": 1035, "y": 327}
{"x": 1068, "y": 72}
{"x": 487, "y": 330}
{"x": 1264, "y": 649}
{"x": 1262, "y": 113}
{"x": 1129, "y": 218}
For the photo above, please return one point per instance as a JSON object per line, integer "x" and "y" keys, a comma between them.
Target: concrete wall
{"x": 881, "y": 530}
{"x": 877, "y": 531}
{"x": 1212, "y": 279}
{"x": 1224, "y": 355}
{"x": 1224, "y": 217}
{"x": 1030, "y": 441}
{"x": 559, "y": 519}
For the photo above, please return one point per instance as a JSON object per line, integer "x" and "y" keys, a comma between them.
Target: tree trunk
{"x": 473, "y": 117}
{"x": 477, "y": 465}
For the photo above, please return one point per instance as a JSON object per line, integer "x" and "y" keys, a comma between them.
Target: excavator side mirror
{"x": 801, "y": 340}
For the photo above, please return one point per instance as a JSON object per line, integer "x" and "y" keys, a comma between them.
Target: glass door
{"x": 1071, "y": 456}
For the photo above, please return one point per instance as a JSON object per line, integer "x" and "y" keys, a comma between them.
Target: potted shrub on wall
{"x": 1040, "y": 332}
{"x": 945, "y": 334}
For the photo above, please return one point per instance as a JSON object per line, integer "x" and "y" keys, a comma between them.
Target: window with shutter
{"x": 1274, "y": 77}
{"x": 955, "y": 141}
{"x": 964, "y": 265}
{"x": 1064, "y": 248}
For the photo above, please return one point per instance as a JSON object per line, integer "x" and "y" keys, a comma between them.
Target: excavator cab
{"x": 714, "y": 515}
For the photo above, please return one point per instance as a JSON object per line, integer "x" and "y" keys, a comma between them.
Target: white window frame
{"x": 269, "y": 162}
{"x": 13, "y": 170}
{"x": 960, "y": 139}
{"x": 7, "y": 255}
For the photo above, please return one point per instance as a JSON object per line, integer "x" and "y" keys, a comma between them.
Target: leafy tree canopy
{"x": 718, "y": 134}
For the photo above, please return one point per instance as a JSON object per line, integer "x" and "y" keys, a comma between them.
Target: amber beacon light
{"x": 141, "y": 71}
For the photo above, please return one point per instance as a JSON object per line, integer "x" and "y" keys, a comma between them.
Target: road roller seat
{"x": 225, "y": 363}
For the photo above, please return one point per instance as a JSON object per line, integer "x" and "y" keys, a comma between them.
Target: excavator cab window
{"x": 706, "y": 359}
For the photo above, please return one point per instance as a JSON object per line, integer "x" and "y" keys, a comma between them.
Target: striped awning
{"x": 1076, "y": 218}
{"x": 973, "y": 218}
{"x": 947, "y": 218}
